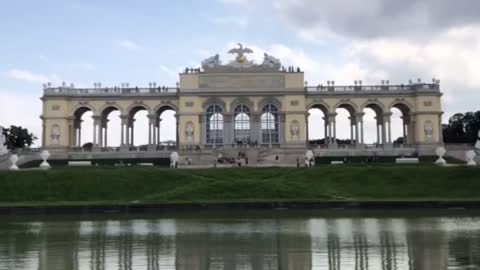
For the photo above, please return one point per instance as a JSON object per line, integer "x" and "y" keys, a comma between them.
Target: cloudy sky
{"x": 140, "y": 41}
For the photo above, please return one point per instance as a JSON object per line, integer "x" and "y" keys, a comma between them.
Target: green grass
{"x": 119, "y": 186}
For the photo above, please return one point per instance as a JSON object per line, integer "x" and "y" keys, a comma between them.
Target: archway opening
{"x": 345, "y": 130}
{"x": 165, "y": 133}
{"x": 242, "y": 124}
{"x": 138, "y": 127}
{"x": 269, "y": 124}
{"x": 317, "y": 130}
{"x": 402, "y": 129}
{"x": 83, "y": 126}
{"x": 111, "y": 127}
{"x": 372, "y": 123}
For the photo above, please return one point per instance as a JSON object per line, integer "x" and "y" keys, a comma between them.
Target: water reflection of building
{"x": 230, "y": 249}
{"x": 331, "y": 244}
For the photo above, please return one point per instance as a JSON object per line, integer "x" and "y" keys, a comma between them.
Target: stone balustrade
{"x": 419, "y": 87}
{"x": 111, "y": 91}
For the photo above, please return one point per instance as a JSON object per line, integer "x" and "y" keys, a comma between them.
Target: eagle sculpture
{"x": 240, "y": 53}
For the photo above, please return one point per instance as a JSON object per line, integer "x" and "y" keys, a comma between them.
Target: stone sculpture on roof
{"x": 241, "y": 62}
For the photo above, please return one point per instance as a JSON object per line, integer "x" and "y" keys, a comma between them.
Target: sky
{"x": 142, "y": 41}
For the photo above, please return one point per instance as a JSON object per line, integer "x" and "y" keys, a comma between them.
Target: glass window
{"x": 214, "y": 124}
{"x": 269, "y": 124}
{"x": 242, "y": 124}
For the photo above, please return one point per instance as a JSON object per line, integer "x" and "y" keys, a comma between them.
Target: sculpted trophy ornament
{"x": 211, "y": 62}
{"x": 270, "y": 61}
{"x": 295, "y": 130}
{"x": 3, "y": 140}
{"x": 189, "y": 130}
{"x": 55, "y": 134}
{"x": 428, "y": 129}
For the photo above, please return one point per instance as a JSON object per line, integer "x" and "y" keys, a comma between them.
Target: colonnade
{"x": 127, "y": 131}
{"x": 383, "y": 128}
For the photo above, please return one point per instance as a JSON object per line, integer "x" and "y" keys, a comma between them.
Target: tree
{"x": 462, "y": 128}
{"x": 18, "y": 138}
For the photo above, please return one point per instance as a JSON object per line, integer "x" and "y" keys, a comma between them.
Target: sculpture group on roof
{"x": 241, "y": 62}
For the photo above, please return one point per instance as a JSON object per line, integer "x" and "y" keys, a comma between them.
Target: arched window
{"x": 214, "y": 124}
{"x": 269, "y": 124}
{"x": 242, "y": 124}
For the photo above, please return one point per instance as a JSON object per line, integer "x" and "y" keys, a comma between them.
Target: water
{"x": 340, "y": 239}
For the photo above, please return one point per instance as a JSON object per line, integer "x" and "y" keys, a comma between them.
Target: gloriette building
{"x": 261, "y": 108}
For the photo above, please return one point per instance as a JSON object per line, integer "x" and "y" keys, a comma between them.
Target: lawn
{"x": 141, "y": 185}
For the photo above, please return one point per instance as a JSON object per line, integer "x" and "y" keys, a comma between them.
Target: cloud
{"x": 129, "y": 45}
{"x": 374, "y": 18}
{"x": 30, "y": 77}
{"x": 237, "y": 21}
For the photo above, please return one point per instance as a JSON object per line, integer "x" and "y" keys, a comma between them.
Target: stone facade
{"x": 221, "y": 106}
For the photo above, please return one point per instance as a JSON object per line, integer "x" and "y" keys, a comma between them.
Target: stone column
{"x": 123, "y": 131}
{"x": 325, "y": 127}
{"x": 105, "y": 142}
{"x": 386, "y": 132}
{"x": 256, "y": 134}
{"x": 96, "y": 132}
{"x": 228, "y": 123}
{"x": 361, "y": 132}
{"x": 358, "y": 126}
{"x": 203, "y": 128}
{"x": 158, "y": 130}
{"x": 152, "y": 119}
{"x": 80, "y": 137}
{"x": 378, "y": 133}
{"x": 281, "y": 128}
{"x": 405, "y": 124}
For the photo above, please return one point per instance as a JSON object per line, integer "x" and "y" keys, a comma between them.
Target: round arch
{"x": 403, "y": 128}
{"x": 82, "y": 108}
{"x": 322, "y": 106}
{"x": 214, "y": 101}
{"x": 376, "y": 106}
{"x": 108, "y": 108}
{"x": 351, "y": 107}
{"x": 403, "y": 106}
{"x": 241, "y": 101}
{"x": 134, "y": 108}
{"x": 159, "y": 109}
{"x": 269, "y": 100}
{"x": 165, "y": 125}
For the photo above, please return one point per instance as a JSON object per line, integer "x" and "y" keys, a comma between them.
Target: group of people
{"x": 291, "y": 69}
{"x": 192, "y": 70}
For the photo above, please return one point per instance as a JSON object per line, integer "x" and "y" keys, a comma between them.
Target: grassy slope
{"x": 87, "y": 186}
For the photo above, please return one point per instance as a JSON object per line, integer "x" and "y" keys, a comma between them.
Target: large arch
{"x": 345, "y": 117}
{"x": 164, "y": 127}
{"x": 83, "y": 127}
{"x": 403, "y": 128}
{"x": 373, "y": 113}
{"x": 110, "y": 126}
{"x": 137, "y": 126}
{"x": 317, "y": 117}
